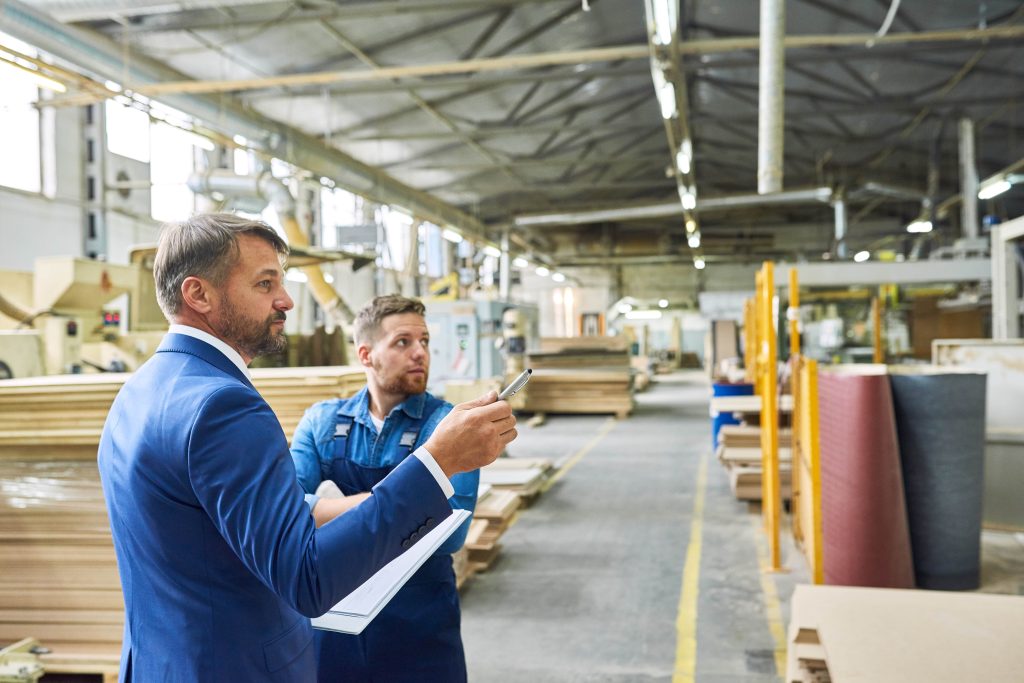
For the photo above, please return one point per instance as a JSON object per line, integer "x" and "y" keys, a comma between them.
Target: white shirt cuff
{"x": 428, "y": 460}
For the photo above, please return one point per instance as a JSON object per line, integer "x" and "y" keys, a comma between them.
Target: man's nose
{"x": 284, "y": 302}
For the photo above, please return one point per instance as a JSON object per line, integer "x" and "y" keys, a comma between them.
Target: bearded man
{"x": 355, "y": 443}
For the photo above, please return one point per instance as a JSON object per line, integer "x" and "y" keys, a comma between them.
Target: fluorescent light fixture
{"x": 643, "y": 315}
{"x": 917, "y": 226}
{"x": 625, "y": 308}
{"x": 666, "y": 17}
{"x": 240, "y": 140}
{"x": 994, "y": 189}
{"x": 666, "y": 94}
{"x": 38, "y": 78}
{"x": 691, "y": 225}
{"x": 698, "y": 263}
{"x": 296, "y": 275}
{"x": 558, "y": 277}
{"x": 492, "y": 251}
{"x": 693, "y": 240}
{"x": 451, "y": 236}
{"x": 112, "y": 86}
{"x": 328, "y": 278}
{"x": 542, "y": 271}
{"x": 663, "y": 303}
{"x": 684, "y": 157}
{"x": 861, "y": 256}
{"x": 520, "y": 262}
{"x": 688, "y": 197}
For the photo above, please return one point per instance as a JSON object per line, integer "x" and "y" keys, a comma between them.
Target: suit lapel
{"x": 180, "y": 343}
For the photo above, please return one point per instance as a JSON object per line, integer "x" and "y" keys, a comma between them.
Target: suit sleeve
{"x": 466, "y": 485}
{"x": 243, "y": 477}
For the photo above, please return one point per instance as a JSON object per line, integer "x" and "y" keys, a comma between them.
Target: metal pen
{"x": 517, "y": 384}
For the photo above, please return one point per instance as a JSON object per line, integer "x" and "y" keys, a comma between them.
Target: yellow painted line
{"x": 578, "y": 455}
{"x": 686, "y": 616}
{"x": 772, "y": 609}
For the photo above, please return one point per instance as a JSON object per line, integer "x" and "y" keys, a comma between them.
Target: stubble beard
{"x": 404, "y": 384}
{"x": 254, "y": 338}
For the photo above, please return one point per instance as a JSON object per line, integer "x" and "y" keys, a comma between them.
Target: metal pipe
{"x": 770, "y": 132}
{"x": 705, "y": 205}
{"x": 968, "y": 180}
{"x": 839, "y": 207}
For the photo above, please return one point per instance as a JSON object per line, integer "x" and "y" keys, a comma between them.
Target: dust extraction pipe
{"x": 12, "y": 310}
{"x": 272, "y": 190}
{"x": 770, "y": 97}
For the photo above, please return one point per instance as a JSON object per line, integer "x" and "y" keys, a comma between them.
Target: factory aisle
{"x": 593, "y": 583}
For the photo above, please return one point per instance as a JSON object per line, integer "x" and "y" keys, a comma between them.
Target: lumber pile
{"x": 641, "y": 372}
{"x": 878, "y": 635}
{"x": 739, "y": 451}
{"x": 495, "y": 510}
{"x": 61, "y": 417}
{"x": 58, "y": 572}
{"x": 580, "y": 375}
{"x": 526, "y": 477}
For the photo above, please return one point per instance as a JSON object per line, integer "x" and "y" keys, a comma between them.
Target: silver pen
{"x": 517, "y": 384}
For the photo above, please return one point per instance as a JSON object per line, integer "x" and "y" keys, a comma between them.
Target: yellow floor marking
{"x": 686, "y": 617}
{"x": 772, "y": 609}
{"x": 578, "y": 455}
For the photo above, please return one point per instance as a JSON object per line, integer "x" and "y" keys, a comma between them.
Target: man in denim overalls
{"x": 355, "y": 443}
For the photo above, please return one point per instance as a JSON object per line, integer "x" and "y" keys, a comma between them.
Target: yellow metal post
{"x": 814, "y": 451}
{"x": 750, "y": 340}
{"x": 794, "y": 381}
{"x": 792, "y": 316}
{"x": 771, "y": 504}
{"x": 876, "y": 323}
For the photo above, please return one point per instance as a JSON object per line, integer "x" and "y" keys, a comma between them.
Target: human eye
{"x": 402, "y": 343}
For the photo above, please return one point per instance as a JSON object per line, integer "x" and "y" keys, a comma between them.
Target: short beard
{"x": 405, "y": 385}
{"x": 253, "y": 338}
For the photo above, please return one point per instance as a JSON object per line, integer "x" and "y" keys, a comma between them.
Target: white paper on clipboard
{"x": 358, "y": 608}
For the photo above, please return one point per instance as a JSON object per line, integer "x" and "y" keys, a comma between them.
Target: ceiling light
{"x": 920, "y": 225}
{"x": 698, "y": 263}
{"x": 492, "y": 251}
{"x": 693, "y": 240}
{"x": 328, "y": 278}
{"x": 994, "y": 189}
{"x": 861, "y": 256}
{"x": 520, "y": 262}
{"x": 542, "y": 271}
{"x": 451, "y": 236}
{"x": 558, "y": 277}
{"x": 688, "y": 197}
{"x": 691, "y": 225}
{"x": 666, "y": 94}
{"x": 625, "y": 308}
{"x": 663, "y": 303}
{"x": 643, "y": 315}
{"x": 684, "y": 157}
{"x": 665, "y": 15}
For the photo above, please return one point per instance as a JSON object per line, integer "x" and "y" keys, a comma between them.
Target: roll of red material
{"x": 865, "y": 534}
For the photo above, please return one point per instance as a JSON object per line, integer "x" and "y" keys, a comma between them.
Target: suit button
{"x": 422, "y": 530}
{"x": 406, "y": 544}
{"x": 430, "y": 523}
{"x": 413, "y": 537}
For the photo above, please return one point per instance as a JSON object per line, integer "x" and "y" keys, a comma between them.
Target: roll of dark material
{"x": 940, "y": 419}
{"x": 865, "y": 538}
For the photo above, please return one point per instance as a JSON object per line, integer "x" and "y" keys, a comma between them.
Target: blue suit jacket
{"x": 221, "y": 564}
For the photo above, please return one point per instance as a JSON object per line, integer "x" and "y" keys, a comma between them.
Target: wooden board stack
{"x": 61, "y": 417}
{"x": 580, "y": 375}
{"x": 526, "y": 477}
{"x": 739, "y": 450}
{"x": 495, "y": 510}
{"x": 879, "y": 635}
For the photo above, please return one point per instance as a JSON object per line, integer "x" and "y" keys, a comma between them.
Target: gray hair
{"x": 366, "y": 328}
{"x": 206, "y": 246}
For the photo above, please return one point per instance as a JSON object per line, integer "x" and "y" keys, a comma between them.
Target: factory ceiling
{"x": 477, "y": 108}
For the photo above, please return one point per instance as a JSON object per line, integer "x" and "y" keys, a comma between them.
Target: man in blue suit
{"x": 220, "y": 561}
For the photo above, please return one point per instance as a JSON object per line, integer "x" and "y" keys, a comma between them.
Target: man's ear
{"x": 363, "y": 352}
{"x": 197, "y": 294}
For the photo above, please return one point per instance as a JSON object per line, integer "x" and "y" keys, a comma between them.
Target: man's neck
{"x": 382, "y": 402}
{"x": 200, "y": 323}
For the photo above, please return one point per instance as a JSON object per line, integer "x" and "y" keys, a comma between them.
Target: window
{"x": 173, "y": 160}
{"x": 19, "y": 123}
{"x": 127, "y": 130}
{"x": 397, "y": 236}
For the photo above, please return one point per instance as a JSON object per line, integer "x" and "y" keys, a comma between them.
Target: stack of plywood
{"x": 61, "y": 417}
{"x": 58, "y": 572}
{"x": 739, "y": 450}
{"x": 526, "y": 477}
{"x": 879, "y": 635}
{"x": 641, "y": 372}
{"x": 494, "y": 512}
{"x": 461, "y": 390}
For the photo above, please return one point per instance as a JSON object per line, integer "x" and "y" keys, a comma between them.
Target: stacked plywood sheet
{"x": 876, "y": 635}
{"x": 739, "y": 450}
{"x": 61, "y": 417}
{"x": 580, "y": 375}
{"x": 495, "y": 510}
{"x": 526, "y": 477}
{"x": 58, "y": 572}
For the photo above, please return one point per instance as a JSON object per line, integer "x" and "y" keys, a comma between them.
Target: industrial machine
{"x": 470, "y": 340}
{"x": 19, "y": 662}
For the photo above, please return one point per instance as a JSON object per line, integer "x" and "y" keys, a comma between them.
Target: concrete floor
{"x": 593, "y": 582}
